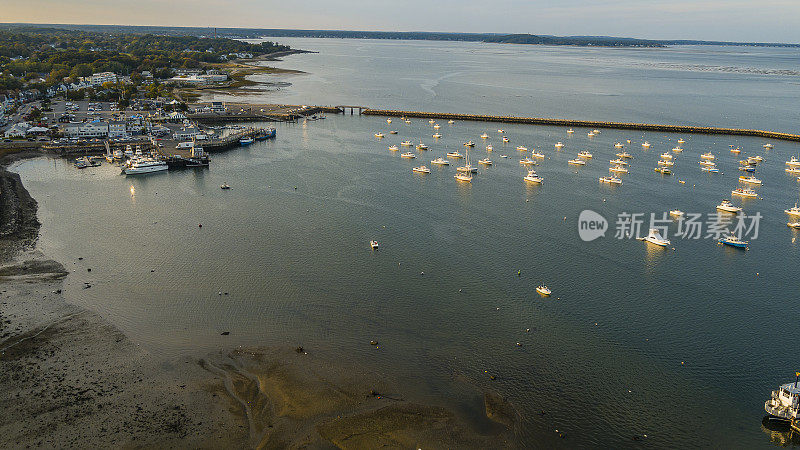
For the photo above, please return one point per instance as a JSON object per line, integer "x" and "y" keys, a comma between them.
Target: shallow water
{"x": 679, "y": 345}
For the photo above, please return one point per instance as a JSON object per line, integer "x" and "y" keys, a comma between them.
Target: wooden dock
{"x": 586, "y": 123}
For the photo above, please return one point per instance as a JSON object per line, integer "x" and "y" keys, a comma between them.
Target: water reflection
{"x": 780, "y": 433}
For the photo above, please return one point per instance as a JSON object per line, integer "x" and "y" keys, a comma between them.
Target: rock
{"x": 499, "y": 410}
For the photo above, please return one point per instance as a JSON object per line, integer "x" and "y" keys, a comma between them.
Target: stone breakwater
{"x": 587, "y": 124}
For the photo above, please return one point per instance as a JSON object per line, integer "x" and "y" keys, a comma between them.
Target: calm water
{"x": 683, "y": 346}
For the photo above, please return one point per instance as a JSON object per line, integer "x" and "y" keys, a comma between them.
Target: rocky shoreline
{"x": 68, "y": 378}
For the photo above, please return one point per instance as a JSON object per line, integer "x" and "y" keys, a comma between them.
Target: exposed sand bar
{"x": 586, "y": 123}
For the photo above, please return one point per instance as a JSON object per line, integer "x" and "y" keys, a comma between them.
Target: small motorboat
{"x": 744, "y": 192}
{"x": 422, "y": 146}
{"x": 733, "y": 241}
{"x": 436, "y": 135}
{"x": 373, "y": 245}
{"x": 618, "y": 162}
{"x": 727, "y": 206}
{"x": 225, "y": 186}
{"x": 751, "y": 179}
{"x": 663, "y": 171}
{"x": 421, "y": 169}
{"x": 618, "y": 169}
{"x": 506, "y": 139}
{"x": 522, "y": 148}
{"x": 666, "y": 155}
{"x": 570, "y": 131}
{"x": 585, "y": 154}
{"x": 454, "y": 155}
{"x": 536, "y": 154}
{"x": 793, "y": 211}
{"x": 709, "y": 156}
{"x": 654, "y": 237}
{"x": 747, "y": 168}
{"x": 451, "y": 121}
{"x": 394, "y": 148}
{"x": 664, "y": 162}
{"x": 393, "y": 132}
{"x": 489, "y": 148}
{"x": 527, "y": 161}
{"x": 769, "y": 146}
{"x": 559, "y": 145}
{"x": 440, "y": 162}
{"x": 676, "y": 213}
{"x": 710, "y": 169}
{"x": 406, "y": 143}
{"x": 544, "y": 290}
{"x": 485, "y": 162}
{"x": 533, "y": 177}
{"x": 677, "y": 149}
{"x": 408, "y": 155}
{"x": 463, "y": 176}
{"x": 646, "y": 145}
{"x": 681, "y": 141}
{"x": 577, "y": 162}
{"x": 469, "y": 144}
{"x": 484, "y": 136}
{"x": 611, "y": 180}
{"x": 625, "y": 155}
{"x": 618, "y": 145}
{"x": 246, "y": 141}
{"x": 379, "y": 135}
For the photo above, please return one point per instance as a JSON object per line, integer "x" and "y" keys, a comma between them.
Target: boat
{"x": 733, "y": 241}
{"x": 618, "y": 169}
{"x": 81, "y": 163}
{"x": 590, "y": 134}
{"x": 408, "y": 155}
{"x": 559, "y": 145}
{"x": 783, "y": 403}
{"x": 618, "y": 145}
{"x": 710, "y": 169}
{"x": 792, "y": 169}
{"x": 543, "y": 290}
{"x": 754, "y": 160}
{"x": 421, "y": 169}
{"x": 646, "y": 145}
{"x": 677, "y": 149}
{"x": 768, "y": 146}
{"x": 707, "y": 163}
{"x": 393, "y": 132}
{"x": 246, "y": 141}
{"x": 522, "y": 148}
{"x": 793, "y": 211}
{"x": 485, "y": 162}
{"x": 501, "y": 131}
{"x": 432, "y": 121}
{"x": 536, "y": 154}
{"x": 618, "y": 162}
{"x": 751, "y": 179}
{"x": 437, "y": 135}
{"x": 709, "y": 156}
{"x": 527, "y": 161}
{"x": 663, "y": 171}
{"x": 379, "y": 135}
{"x": 454, "y": 155}
{"x": 489, "y": 148}
{"x": 676, "y": 213}
{"x": 440, "y": 162}
{"x": 666, "y": 155}
{"x": 109, "y": 158}
{"x": 596, "y": 131}
{"x": 744, "y": 192}
{"x": 128, "y": 151}
{"x": 484, "y": 136}
{"x": 747, "y": 168}
{"x": 505, "y": 139}
{"x": 533, "y": 177}
{"x": 463, "y": 176}
{"x": 570, "y": 131}
{"x": 611, "y": 180}
{"x": 407, "y": 121}
{"x": 118, "y": 155}
{"x": 625, "y": 155}
{"x": 394, "y": 148}
{"x": 145, "y": 165}
{"x": 681, "y": 141}
{"x": 795, "y": 225}
{"x": 654, "y": 237}
{"x": 224, "y": 186}
{"x": 467, "y": 168}
{"x": 437, "y": 126}
{"x": 388, "y": 120}
{"x": 793, "y": 162}
{"x": 469, "y": 144}
{"x": 584, "y": 154}
{"x": 577, "y": 162}
{"x": 727, "y": 206}
{"x": 451, "y": 121}
{"x": 373, "y": 245}
{"x": 422, "y": 146}
{"x": 666, "y": 163}
{"x": 736, "y": 150}
{"x": 406, "y": 144}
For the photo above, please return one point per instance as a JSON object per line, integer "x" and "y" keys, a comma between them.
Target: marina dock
{"x": 585, "y": 123}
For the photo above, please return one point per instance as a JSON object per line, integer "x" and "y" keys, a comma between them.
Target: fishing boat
{"x": 454, "y": 155}
{"x": 570, "y": 131}
{"x": 469, "y": 144}
{"x": 440, "y": 162}
{"x": 618, "y": 162}
{"x": 663, "y": 171}
{"x": 559, "y": 145}
{"x": 522, "y": 148}
{"x": 625, "y": 155}
{"x": 611, "y": 180}
{"x": 654, "y": 237}
{"x": 784, "y": 403}
{"x": 394, "y": 148}
{"x": 533, "y": 177}
{"x": 585, "y": 154}
{"x": 751, "y": 179}
{"x": 646, "y": 144}
{"x": 709, "y": 156}
{"x": 666, "y": 155}
{"x": 618, "y": 145}
{"x": 543, "y": 290}
{"x": 408, "y": 155}
{"x": 145, "y": 165}
{"x": 744, "y": 192}
{"x": 793, "y": 162}
{"x": 485, "y": 162}
{"x": 733, "y": 241}
{"x": 618, "y": 169}
{"x": 577, "y": 162}
{"x": 406, "y": 143}
{"x": 422, "y": 146}
{"x": 793, "y": 211}
{"x": 527, "y": 161}
{"x": 436, "y": 135}
{"x": 727, "y": 206}
{"x": 421, "y": 169}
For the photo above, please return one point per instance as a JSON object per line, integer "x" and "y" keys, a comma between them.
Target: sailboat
{"x": 465, "y": 175}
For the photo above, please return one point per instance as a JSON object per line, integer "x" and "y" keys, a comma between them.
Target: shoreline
{"x": 68, "y": 377}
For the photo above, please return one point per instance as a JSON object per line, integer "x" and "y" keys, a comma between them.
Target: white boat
{"x": 463, "y": 176}
{"x": 663, "y": 171}
{"x": 393, "y": 132}
{"x": 454, "y": 155}
{"x": 577, "y": 162}
{"x": 467, "y": 169}
{"x": 768, "y": 146}
{"x": 393, "y": 148}
{"x": 707, "y": 163}
{"x": 709, "y": 156}
{"x": 754, "y": 160}
{"x": 711, "y": 169}
{"x": 536, "y": 154}
{"x": 611, "y": 180}
{"x": 751, "y": 179}
{"x": 665, "y": 163}
{"x": 506, "y": 139}
{"x": 469, "y": 144}
{"x": 793, "y": 211}
{"x": 432, "y": 121}
{"x": 677, "y": 149}
{"x": 584, "y": 154}
{"x": 654, "y": 237}
{"x": 619, "y": 162}
{"x": 522, "y": 148}
{"x": 792, "y": 170}
{"x": 727, "y": 206}
{"x": 559, "y": 145}
{"x": 373, "y": 245}
{"x": 421, "y": 169}
{"x": 422, "y": 146}
{"x": 596, "y": 131}
{"x": 533, "y": 177}
{"x": 406, "y": 144}
{"x": 408, "y": 155}
{"x": 618, "y": 169}
{"x": 625, "y": 155}
{"x": 744, "y": 192}
{"x": 795, "y": 225}
{"x": 451, "y": 121}
{"x": 544, "y": 290}
{"x": 590, "y": 134}
{"x": 436, "y": 135}
{"x": 527, "y": 161}
{"x": 489, "y": 148}
{"x": 484, "y": 136}
{"x": 784, "y": 403}
{"x": 388, "y": 120}
{"x": 224, "y": 186}
{"x": 437, "y": 126}
{"x": 145, "y": 165}
{"x": 246, "y": 141}
{"x": 379, "y": 135}
{"x": 485, "y": 162}
{"x": 666, "y": 155}
{"x": 440, "y": 162}
{"x": 793, "y": 162}
{"x": 676, "y": 213}
{"x": 570, "y": 131}
{"x": 681, "y": 141}
{"x": 618, "y": 145}
{"x": 501, "y": 131}
{"x": 646, "y": 145}
{"x": 736, "y": 150}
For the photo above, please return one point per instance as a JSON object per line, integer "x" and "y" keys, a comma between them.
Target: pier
{"x": 586, "y": 123}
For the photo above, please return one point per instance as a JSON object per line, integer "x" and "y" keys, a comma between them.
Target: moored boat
{"x": 654, "y": 237}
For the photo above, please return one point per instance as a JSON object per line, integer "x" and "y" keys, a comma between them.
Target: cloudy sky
{"x": 734, "y": 20}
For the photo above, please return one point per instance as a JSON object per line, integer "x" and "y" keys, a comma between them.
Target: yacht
{"x": 522, "y": 148}
{"x": 681, "y": 141}
{"x": 437, "y": 135}
{"x": 533, "y": 177}
{"x": 793, "y": 162}
{"x": 666, "y": 163}
{"x": 485, "y": 162}
{"x": 710, "y": 169}
{"x": 559, "y": 145}
{"x": 611, "y": 180}
{"x": 793, "y": 211}
{"x": 536, "y": 154}
{"x": 145, "y": 165}
{"x": 677, "y": 149}
{"x": 544, "y": 290}
{"x": 618, "y": 169}
{"x": 484, "y": 136}
{"x": 406, "y": 144}
{"x": 570, "y": 131}
{"x": 646, "y": 145}
{"x": 469, "y": 144}
{"x": 654, "y": 237}
{"x": 422, "y": 146}
{"x": 744, "y": 192}
{"x": 619, "y": 162}
{"x": 440, "y": 162}
{"x": 454, "y": 155}
{"x": 505, "y": 139}
{"x": 408, "y": 155}
{"x": 421, "y": 169}
{"x": 784, "y": 403}
{"x": 709, "y": 156}
{"x": 489, "y": 148}
{"x": 577, "y": 162}
{"x": 768, "y": 146}
{"x": 463, "y": 176}
{"x": 676, "y": 213}
{"x": 625, "y": 155}
{"x": 584, "y": 154}
{"x": 733, "y": 241}
{"x": 467, "y": 169}
{"x": 393, "y": 148}
{"x": 663, "y": 171}
{"x": 751, "y": 179}
{"x": 666, "y": 155}
{"x": 527, "y": 161}
{"x": 727, "y": 206}
{"x": 618, "y": 145}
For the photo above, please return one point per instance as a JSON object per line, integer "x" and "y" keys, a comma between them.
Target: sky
{"x": 729, "y": 20}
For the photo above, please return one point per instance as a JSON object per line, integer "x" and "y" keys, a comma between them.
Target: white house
{"x": 187, "y": 133}
{"x": 117, "y": 129}
{"x": 86, "y": 130}
{"x": 103, "y": 77}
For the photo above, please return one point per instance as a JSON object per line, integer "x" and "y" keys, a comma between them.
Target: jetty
{"x": 585, "y": 123}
